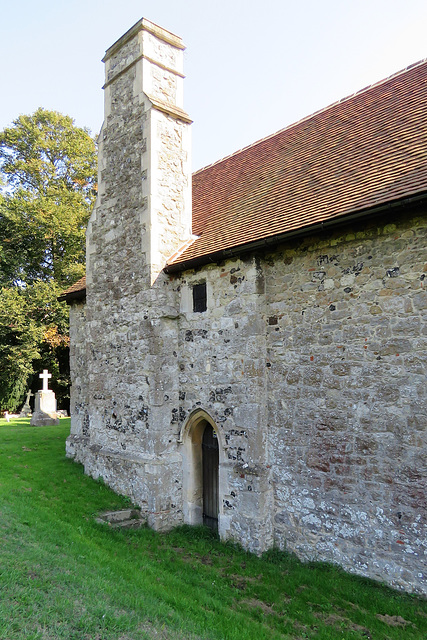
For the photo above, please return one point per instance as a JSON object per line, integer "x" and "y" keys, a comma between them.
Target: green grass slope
{"x": 63, "y": 576}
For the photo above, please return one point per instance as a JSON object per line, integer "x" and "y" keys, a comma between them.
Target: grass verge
{"x": 63, "y": 576}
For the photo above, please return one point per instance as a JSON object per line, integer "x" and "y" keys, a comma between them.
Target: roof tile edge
{"x": 312, "y": 115}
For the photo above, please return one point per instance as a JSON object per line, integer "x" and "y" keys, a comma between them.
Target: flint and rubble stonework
{"x": 310, "y": 361}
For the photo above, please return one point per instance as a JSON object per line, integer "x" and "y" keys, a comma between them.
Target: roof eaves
{"x": 271, "y": 241}
{"x": 72, "y": 296}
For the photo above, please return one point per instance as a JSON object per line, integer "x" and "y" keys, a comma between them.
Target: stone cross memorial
{"x": 45, "y": 377}
{"x": 26, "y": 409}
{"x": 45, "y": 404}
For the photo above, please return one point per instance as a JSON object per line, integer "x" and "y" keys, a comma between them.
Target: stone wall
{"x": 347, "y": 363}
{"x": 221, "y": 357}
{"x": 311, "y": 364}
{"x": 79, "y": 407}
{"x": 142, "y": 215}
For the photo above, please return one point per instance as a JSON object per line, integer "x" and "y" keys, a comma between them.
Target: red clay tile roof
{"x": 364, "y": 151}
{"x": 76, "y": 291}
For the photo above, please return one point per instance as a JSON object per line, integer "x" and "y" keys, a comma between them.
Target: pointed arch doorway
{"x": 201, "y": 471}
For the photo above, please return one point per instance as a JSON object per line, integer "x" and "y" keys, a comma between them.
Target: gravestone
{"x": 26, "y": 409}
{"x": 45, "y": 405}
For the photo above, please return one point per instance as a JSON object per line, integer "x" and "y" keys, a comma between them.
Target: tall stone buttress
{"x": 144, "y": 158}
{"x": 122, "y": 427}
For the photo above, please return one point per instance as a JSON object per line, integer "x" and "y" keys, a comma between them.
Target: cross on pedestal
{"x": 45, "y": 377}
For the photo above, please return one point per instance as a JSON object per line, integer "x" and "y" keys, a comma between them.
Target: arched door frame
{"x": 191, "y": 440}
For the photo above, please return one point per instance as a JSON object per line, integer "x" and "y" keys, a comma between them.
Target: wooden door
{"x": 210, "y": 461}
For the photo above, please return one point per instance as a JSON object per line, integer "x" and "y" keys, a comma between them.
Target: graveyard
{"x": 63, "y": 575}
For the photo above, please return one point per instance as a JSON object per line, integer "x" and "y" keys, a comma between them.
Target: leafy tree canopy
{"x": 48, "y": 171}
{"x": 33, "y": 336}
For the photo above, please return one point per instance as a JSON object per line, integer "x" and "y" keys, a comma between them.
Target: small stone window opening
{"x": 199, "y": 297}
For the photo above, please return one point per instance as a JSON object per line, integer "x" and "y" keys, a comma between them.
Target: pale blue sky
{"x": 252, "y": 67}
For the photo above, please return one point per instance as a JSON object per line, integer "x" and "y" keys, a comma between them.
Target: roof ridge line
{"x": 315, "y": 113}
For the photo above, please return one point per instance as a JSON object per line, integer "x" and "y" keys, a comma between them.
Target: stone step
{"x": 127, "y": 524}
{"x": 126, "y": 519}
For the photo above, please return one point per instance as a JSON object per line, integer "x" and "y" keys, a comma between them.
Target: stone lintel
{"x": 163, "y": 66}
{"x": 142, "y": 57}
{"x": 144, "y": 25}
{"x": 170, "y": 110}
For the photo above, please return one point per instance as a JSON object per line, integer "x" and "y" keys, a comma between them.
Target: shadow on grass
{"x": 63, "y": 575}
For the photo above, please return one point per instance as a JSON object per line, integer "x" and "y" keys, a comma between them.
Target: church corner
{"x": 254, "y": 357}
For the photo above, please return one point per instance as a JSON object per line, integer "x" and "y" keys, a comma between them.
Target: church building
{"x": 249, "y": 345}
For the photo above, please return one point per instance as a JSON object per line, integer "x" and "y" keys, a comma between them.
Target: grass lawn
{"x": 62, "y": 575}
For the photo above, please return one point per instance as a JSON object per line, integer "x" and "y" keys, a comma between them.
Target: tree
{"x": 48, "y": 186}
{"x": 48, "y": 167}
{"x": 19, "y": 339}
